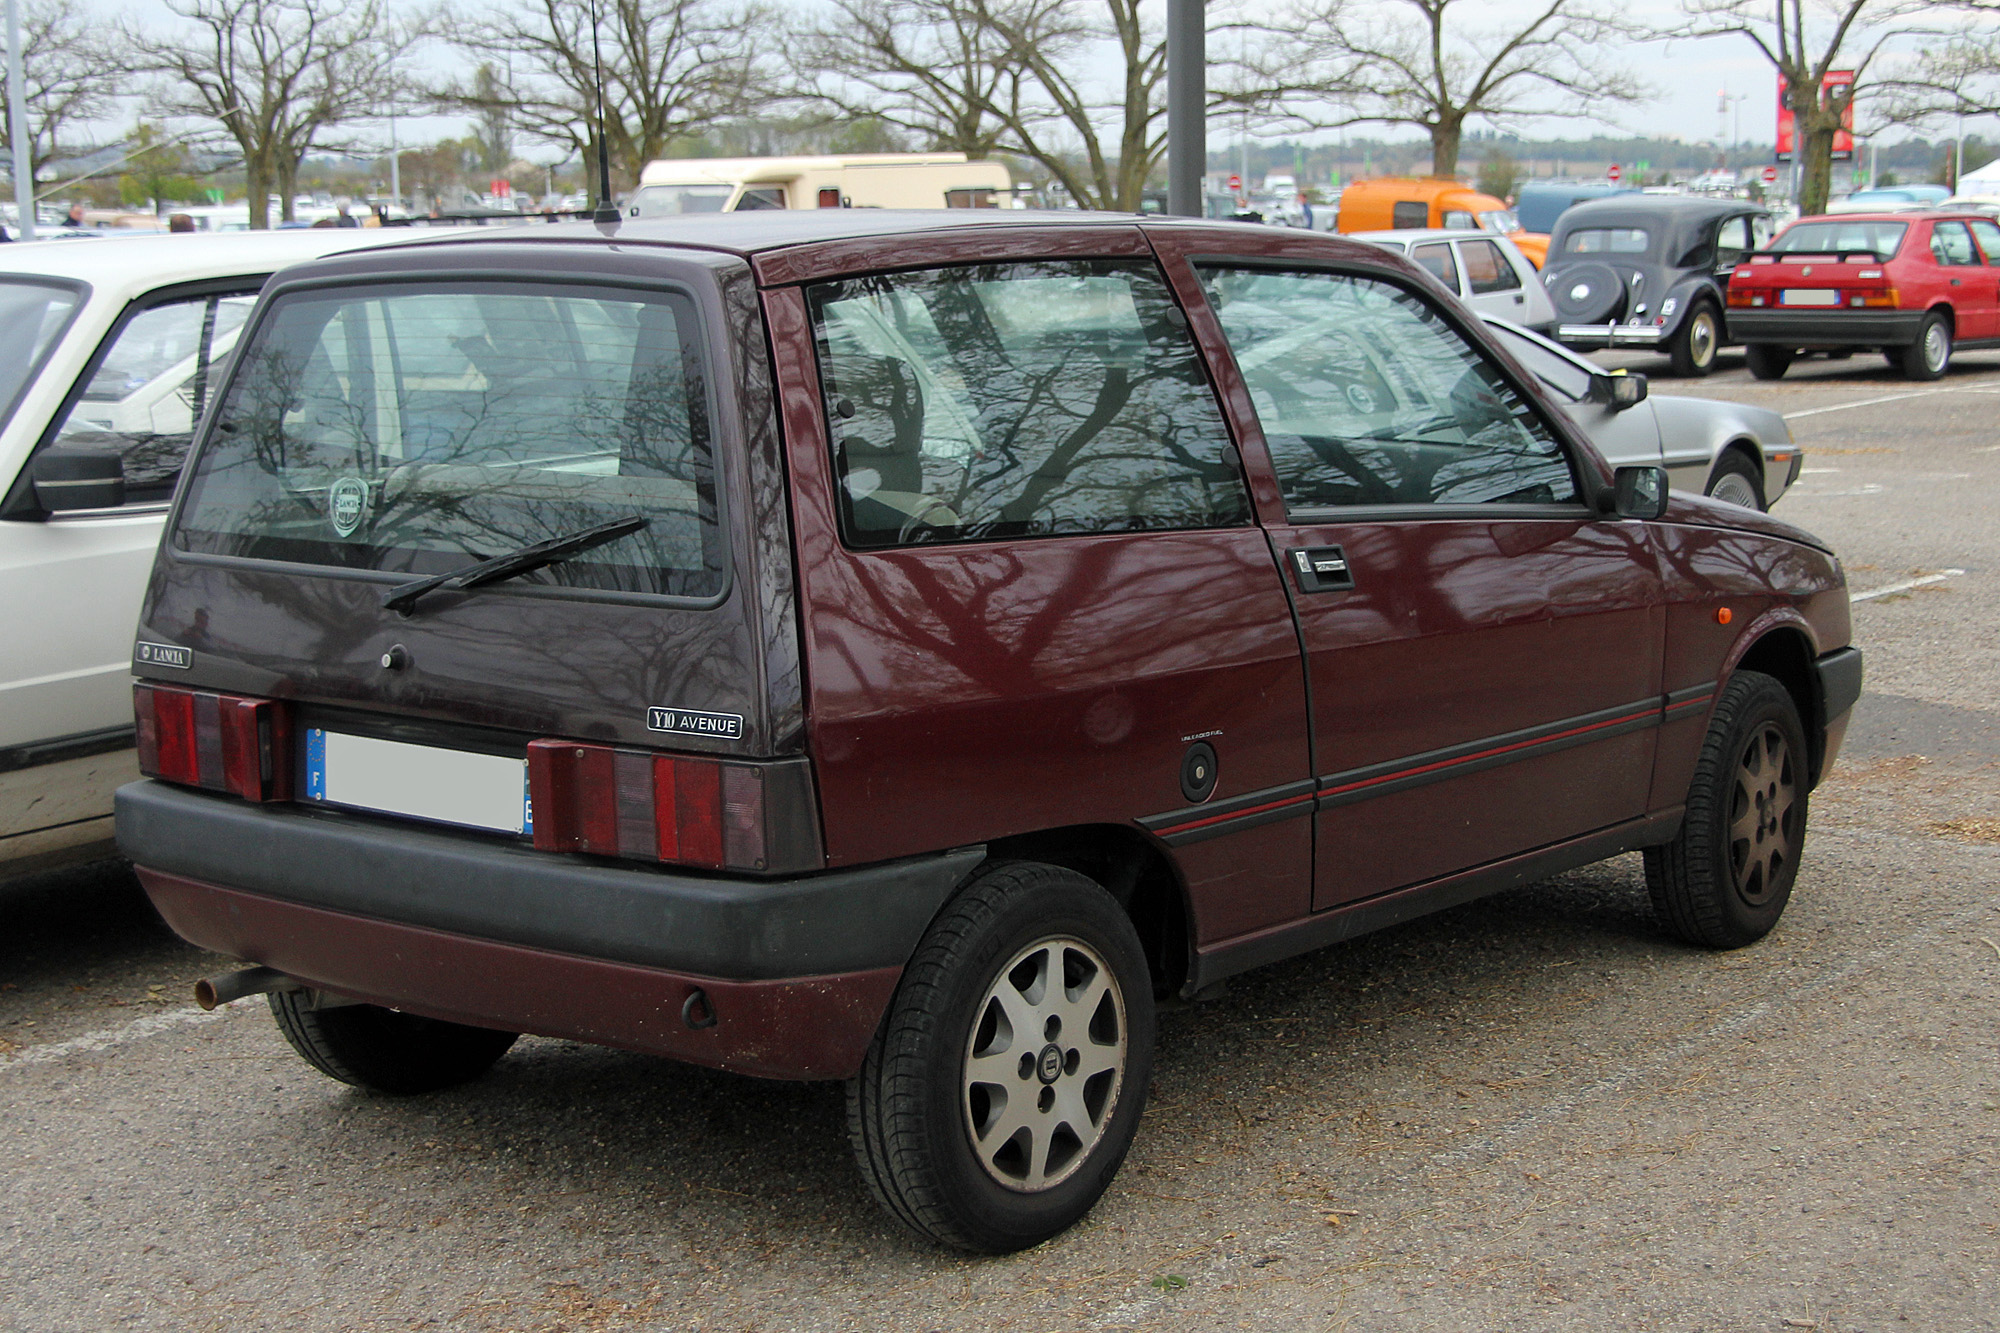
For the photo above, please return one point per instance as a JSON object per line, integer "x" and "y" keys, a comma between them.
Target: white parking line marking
{"x": 106, "y": 1038}
{"x": 1867, "y": 402}
{"x": 1813, "y": 471}
{"x": 1906, "y": 585}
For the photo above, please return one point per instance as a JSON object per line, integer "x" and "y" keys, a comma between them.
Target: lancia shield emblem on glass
{"x": 346, "y": 504}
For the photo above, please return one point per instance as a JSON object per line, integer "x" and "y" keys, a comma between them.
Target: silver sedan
{"x": 1732, "y": 451}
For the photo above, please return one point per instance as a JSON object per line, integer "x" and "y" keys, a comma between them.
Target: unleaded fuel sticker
{"x": 694, "y": 722}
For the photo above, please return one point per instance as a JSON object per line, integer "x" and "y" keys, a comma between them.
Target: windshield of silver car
{"x": 406, "y": 429}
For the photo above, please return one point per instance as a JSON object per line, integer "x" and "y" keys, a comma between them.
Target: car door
{"x": 1029, "y": 570}
{"x": 1492, "y": 287}
{"x": 79, "y": 576}
{"x": 1969, "y": 279}
{"x": 1483, "y": 648}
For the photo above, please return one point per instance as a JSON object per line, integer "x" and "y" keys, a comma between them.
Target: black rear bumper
{"x": 1826, "y": 328}
{"x": 466, "y": 883}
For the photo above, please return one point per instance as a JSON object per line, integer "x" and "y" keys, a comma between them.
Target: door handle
{"x": 1320, "y": 569}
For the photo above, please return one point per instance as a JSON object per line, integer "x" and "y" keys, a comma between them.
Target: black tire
{"x": 1725, "y": 880}
{"x": 1930, "y": 355}
{"x": 383, "y": 1050}
{"x": 912, "y": 1111}
{"x": 1767, "y": 362}
{"x": 1737, "y": 481}
{"x": 1693, "y": 345}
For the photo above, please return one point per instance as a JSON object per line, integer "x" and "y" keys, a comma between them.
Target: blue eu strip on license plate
{"x": 425, "y": 782}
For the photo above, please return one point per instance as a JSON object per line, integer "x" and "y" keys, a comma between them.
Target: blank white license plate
{"x": 486, "y": 791}
{"x": 1810, "y": 296}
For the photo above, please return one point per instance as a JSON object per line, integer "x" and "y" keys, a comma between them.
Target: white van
{"x": 876, "y": 180}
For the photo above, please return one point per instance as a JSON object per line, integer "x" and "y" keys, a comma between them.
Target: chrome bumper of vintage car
{"x": 1610, "y": 335}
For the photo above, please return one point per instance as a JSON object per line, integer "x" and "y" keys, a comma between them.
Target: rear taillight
{"x": 224, "y": 742}
{"x": 687, "y": 809}
{"x": 1886, "y": 299}
{"x": 1740, "y": 296}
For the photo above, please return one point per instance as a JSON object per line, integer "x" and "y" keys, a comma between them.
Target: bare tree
{"x": 71, "y": 72}
{"x": 1804, "y": 42}
{"x": 1003, "y": 76}
{"x": 1957, "y": 77}
{"x": 671, "y": 69}
{"x": 275, "y": 76}
{"x": 1431, "y": 64}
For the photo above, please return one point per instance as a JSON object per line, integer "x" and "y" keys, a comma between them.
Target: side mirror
{"x": 71, "y": 479}
{"x": 1618, "y": 391}
{"x": 1641, "y": 492}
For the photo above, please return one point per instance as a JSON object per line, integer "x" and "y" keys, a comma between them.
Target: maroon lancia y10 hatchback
{"x": 901, "y": 648}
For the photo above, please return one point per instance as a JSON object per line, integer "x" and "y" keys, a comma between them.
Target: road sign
{"x": 1770, "y": 175}
{"x": 1613, "y": 172}
{"x": 1235, "y": 183}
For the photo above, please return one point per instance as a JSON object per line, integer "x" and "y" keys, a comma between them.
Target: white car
{"x": 1488, "y": 272}
{"x": 1732, "y": 451}
{"x": 107, "y": 359}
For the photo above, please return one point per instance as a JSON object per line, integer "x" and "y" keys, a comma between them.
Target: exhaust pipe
{"x": 211, "y": 992}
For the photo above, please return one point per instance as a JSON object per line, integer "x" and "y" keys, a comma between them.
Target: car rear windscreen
{"x": 411, "y": 429}
{"x": 34, "y": 314}
{"x": 1608, "y": 241}
{"x": 1831, "y": 237}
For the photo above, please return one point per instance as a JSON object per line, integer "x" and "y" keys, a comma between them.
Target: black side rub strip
{"x": 82, "y": 745}
{"x": 1198, "y": 823}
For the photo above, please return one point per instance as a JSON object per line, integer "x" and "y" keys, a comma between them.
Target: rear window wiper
{"x": 404, "y": 596}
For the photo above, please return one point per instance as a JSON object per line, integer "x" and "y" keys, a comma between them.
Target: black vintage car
{"x": 1650, "y": 271}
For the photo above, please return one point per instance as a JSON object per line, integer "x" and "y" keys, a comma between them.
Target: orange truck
{"x": 1400, "y": 203}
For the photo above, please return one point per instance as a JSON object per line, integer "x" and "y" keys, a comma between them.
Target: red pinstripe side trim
{"x": 1487, "y": 754}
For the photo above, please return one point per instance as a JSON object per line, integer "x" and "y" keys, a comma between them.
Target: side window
{"x": 1762, "y": 228}
{"x": 1368, "y": 397}
{"x": 1486, "y": 269}
{"x": 1457, "y": 219}
{"x": 1951, "y": 244}
{"x": 1987, "y": 233}
{"x": 1437, "y": 258}
{"x": 763, "y": 196}
{"x": 150, "y": 387}
{"x": 1012, "y": 400}
{"x": 1409, "y": 214}
{"x": 1732, "y": 241}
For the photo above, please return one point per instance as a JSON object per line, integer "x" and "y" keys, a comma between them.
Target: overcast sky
{"x": 1687, "y": 76}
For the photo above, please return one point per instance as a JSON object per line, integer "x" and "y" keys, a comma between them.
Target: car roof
{"x": 1414, "y": 234}
{"x": 1896, "y": 215}
{"x": 1650, "y": 207}
{"x": 161, "y": 258}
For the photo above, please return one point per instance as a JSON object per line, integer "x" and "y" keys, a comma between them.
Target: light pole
{"x": 17, "y": 118}
{"x": 1187, "y": 106}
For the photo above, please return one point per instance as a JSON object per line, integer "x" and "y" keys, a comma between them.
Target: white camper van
{"x": 876, "y": 180}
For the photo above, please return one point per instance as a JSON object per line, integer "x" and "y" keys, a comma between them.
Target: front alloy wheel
{"x": 1725, "y": 878}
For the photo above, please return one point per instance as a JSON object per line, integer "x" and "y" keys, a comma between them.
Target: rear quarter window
{"x": 1014, "y": 400}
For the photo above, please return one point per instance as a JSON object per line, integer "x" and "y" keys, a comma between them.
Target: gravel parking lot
{"x": 1531, "y": 1112}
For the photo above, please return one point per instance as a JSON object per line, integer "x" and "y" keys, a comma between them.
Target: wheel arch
{"x": 1136, "y": 871}
{"x": 1748, "y": 449}
{"x": 1784, "y": 651}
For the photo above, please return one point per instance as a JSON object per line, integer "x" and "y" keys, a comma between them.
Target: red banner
{"x": 1836, "y": 81}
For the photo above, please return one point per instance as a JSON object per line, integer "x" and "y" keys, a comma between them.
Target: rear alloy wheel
{"x": 385, "y": 1050}
{"x": 1930, "y": 354}
{"x": 1767, "y": 362}
{"x": 1005, "y": 1085}
{"x": 1735, "y": 479}
{"x": 1692, "y": 348}
{"x": 1725, "y": 880}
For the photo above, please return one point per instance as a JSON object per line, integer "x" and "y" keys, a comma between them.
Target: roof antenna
{"x": 606, "y": 212}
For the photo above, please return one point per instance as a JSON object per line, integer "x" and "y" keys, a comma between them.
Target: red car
{"x": 1911, "y": 285}
{"x": 898, "y": 648}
